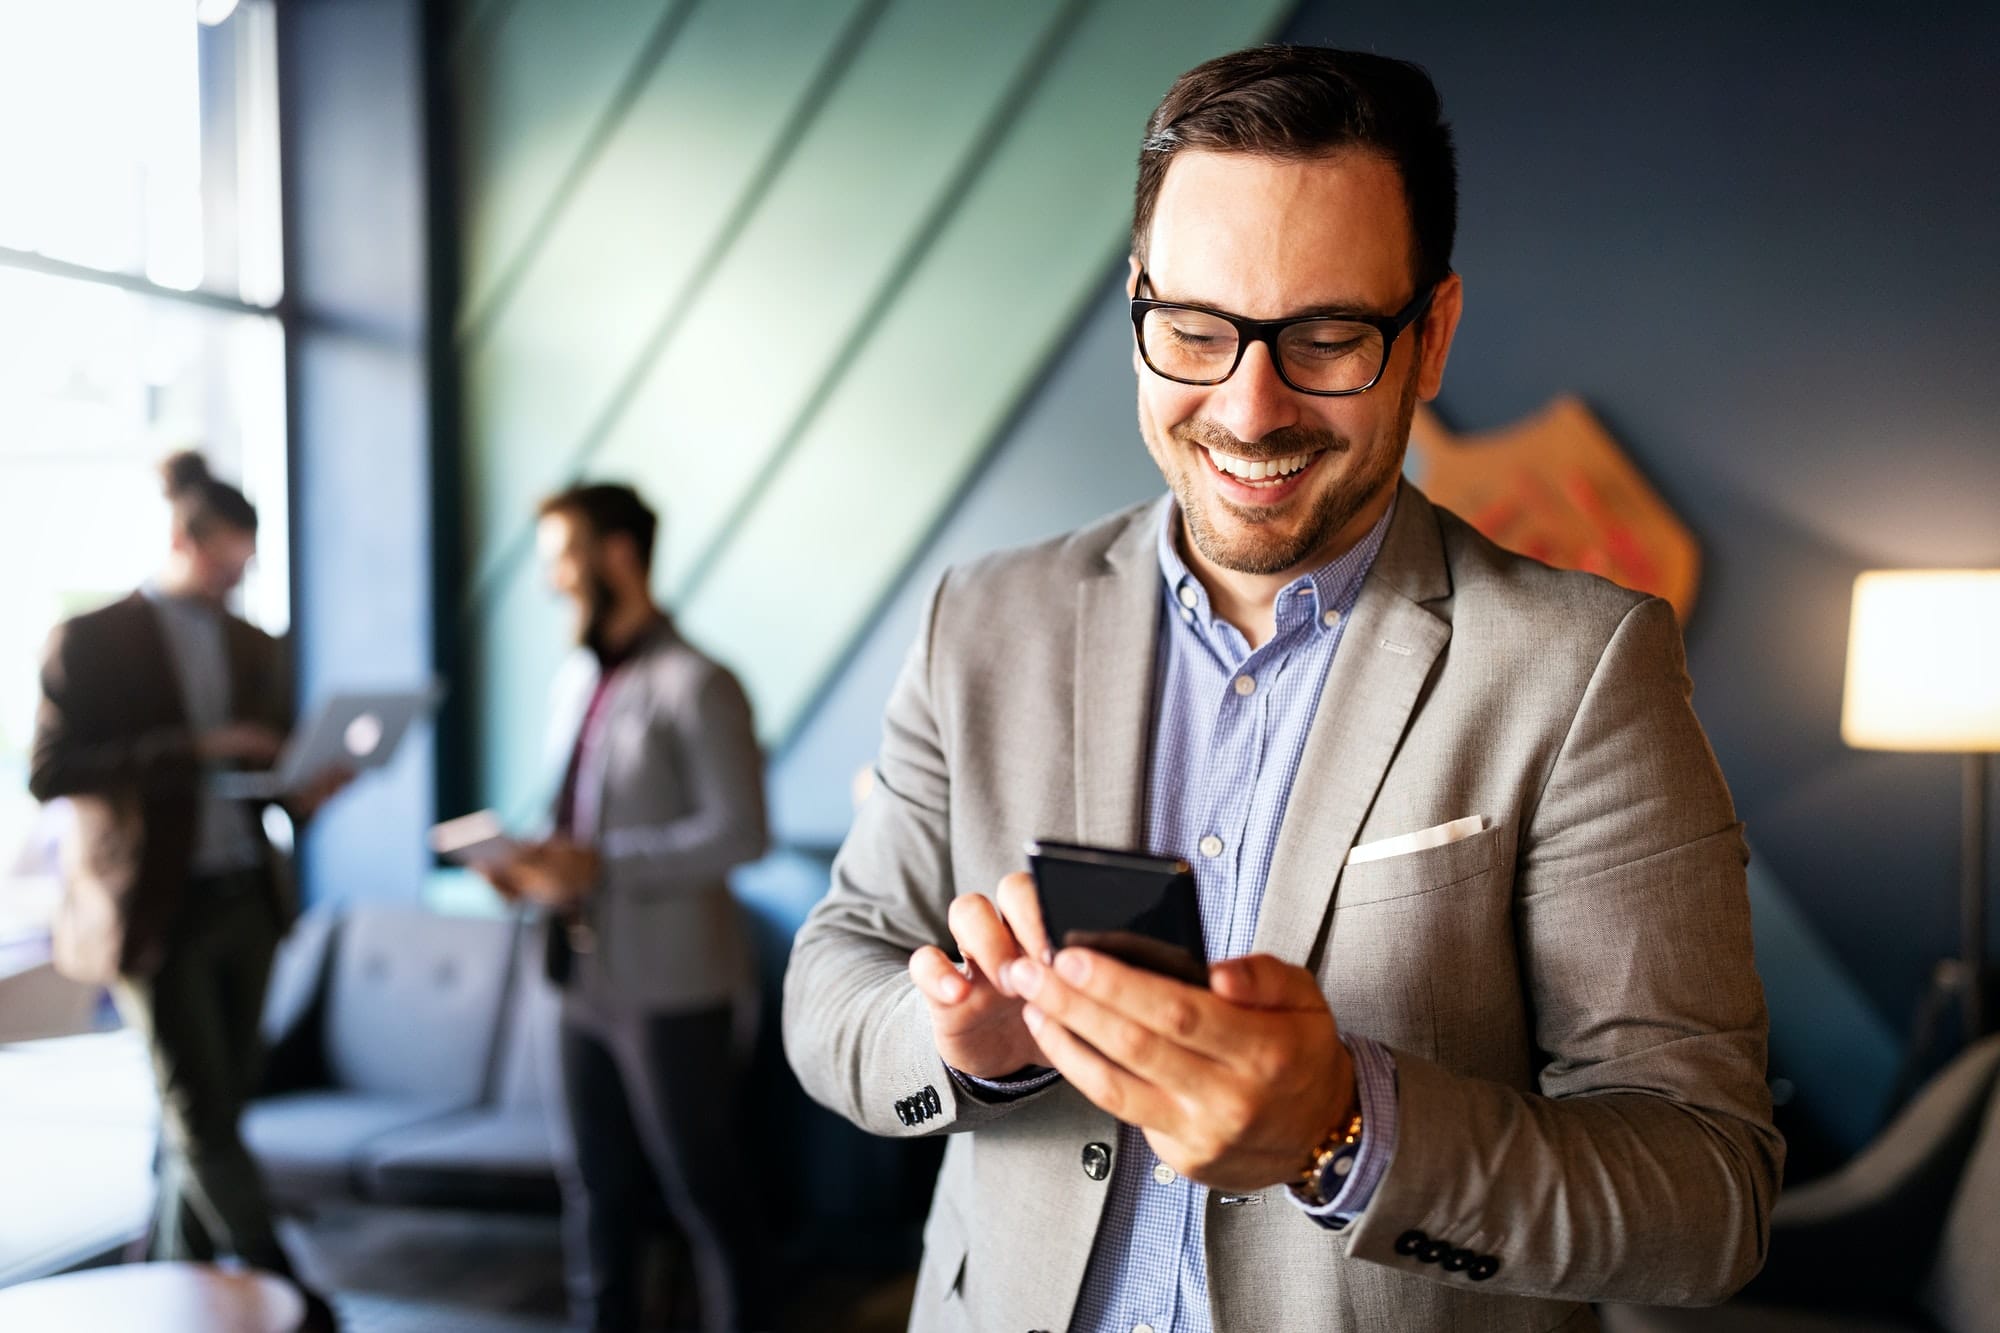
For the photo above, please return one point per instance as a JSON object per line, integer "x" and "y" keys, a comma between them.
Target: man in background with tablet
{"x": 659, "y": 793}
{"x": 1481, "y": 1041}
{"x": 172, "y": 895}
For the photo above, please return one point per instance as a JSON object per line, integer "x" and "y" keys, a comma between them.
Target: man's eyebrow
{"x": 1353, "y": 306}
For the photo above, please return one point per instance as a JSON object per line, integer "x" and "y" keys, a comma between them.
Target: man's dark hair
{"x": 201, "y": 501}
{"x": 1306, "y": 101}
{"x": 609, "y": 509}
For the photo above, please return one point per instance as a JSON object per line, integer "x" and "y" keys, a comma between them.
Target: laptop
{"x": 352, "y": 730}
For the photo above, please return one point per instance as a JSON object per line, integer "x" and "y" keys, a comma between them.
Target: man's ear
{"x": 1439, "y": 325}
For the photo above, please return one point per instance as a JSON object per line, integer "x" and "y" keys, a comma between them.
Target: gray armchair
{"x": 1906, "y": 1236}
{"x": 403, "y": 1026}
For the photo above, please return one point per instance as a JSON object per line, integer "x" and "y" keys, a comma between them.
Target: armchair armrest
{"x": 295, "y": 1005}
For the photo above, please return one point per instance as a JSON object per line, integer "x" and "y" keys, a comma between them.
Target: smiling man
{"x": 1484, "y": 1043}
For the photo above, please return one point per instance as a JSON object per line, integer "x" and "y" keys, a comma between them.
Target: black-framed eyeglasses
{"x": 1326, "y": 355}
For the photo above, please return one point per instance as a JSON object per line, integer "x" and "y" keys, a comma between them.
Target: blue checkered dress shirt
{"x": 1230, "y": 725}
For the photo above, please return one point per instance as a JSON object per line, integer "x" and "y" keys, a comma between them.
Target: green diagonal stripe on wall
{"x": 632, "y": 236}
{"x": 539, "y": 95}
{"x": 499, "y": 267}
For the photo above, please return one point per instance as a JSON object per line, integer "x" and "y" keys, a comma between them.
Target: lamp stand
{"x": 1962, "y": 978}
{"x": 1972, "y": 897}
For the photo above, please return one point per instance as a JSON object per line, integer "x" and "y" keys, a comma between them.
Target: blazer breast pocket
{"x": 1419, "y": 872}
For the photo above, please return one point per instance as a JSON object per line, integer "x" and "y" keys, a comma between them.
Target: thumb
{"x": 1260, "y": 981}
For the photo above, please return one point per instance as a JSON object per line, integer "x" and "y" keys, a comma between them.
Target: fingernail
{"x": 1073, "y": 965}
{"x": 1024, "y": 975}
{"x": 1032, "y": 1017}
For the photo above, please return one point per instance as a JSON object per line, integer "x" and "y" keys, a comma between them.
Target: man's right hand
{"x": 248, "y": 743}
{"x": 975, "y": 1020}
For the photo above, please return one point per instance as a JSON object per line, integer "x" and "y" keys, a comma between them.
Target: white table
{"x": 154, "y": 1298}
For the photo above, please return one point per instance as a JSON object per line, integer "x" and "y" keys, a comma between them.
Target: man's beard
{"x": 598, "y": 603}
{"x": 1332, "y": 509}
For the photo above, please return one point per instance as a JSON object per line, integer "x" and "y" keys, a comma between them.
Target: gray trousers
{"x": 648, "y": 1101}
{"x": 199, "y": 1014}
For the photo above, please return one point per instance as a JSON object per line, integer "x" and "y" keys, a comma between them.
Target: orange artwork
{"x": 1558, "y": 488}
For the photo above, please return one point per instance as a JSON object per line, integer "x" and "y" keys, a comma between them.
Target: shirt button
{"x": 1245, "y": 685}
{"x": 1211, "y": 846}
{"x": 1187, "y": 615}
{"x": 1187, "y": 595}
{"x": 1330, "y": 619}
{"x": 1142, "y": 1328}
{"x": 1163, "y": 1174}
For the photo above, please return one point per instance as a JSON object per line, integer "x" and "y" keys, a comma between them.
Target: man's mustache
{"x": 1285, "y": 442}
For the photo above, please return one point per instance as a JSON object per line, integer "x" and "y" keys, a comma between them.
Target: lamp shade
{"x": 1923, "y": 661}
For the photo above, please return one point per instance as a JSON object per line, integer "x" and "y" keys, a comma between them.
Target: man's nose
{"x": 1254, "y": 402}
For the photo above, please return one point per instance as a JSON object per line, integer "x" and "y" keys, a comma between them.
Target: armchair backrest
{"x": 414, "y": 1002}
{"x": 1867, "y": 1236}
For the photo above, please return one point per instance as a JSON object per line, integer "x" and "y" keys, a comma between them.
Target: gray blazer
{"x": 678, "y": 790}
{"x": 1578, "y": 1029}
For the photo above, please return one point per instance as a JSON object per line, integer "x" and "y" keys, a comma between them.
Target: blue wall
{"x": 1761, "y": 247}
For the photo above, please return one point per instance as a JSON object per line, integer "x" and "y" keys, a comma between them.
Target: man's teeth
{"x": 1248, "y": 471}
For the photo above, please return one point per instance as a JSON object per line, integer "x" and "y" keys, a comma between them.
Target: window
{"x": 139, "y": 279}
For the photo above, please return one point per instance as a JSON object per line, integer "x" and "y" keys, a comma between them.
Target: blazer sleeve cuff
{"x": 1375, "y": 1085}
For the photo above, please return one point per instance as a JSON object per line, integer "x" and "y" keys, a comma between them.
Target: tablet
{"x": 352, "y": 730}
{"x": 472, "y": 839}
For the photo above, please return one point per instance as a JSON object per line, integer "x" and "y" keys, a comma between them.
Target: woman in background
{"x": 173, "y": 897}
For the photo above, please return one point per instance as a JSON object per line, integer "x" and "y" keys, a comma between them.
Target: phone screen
{"x": 1138, "y": 909}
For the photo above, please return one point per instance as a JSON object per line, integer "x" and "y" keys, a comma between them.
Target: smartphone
{"x": 1139, "y": 909}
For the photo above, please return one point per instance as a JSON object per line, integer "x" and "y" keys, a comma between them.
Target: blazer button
{"x": 1096, "y": 1160}
{"x": 1456, "y": 1261}
{"x": 1431, "y": 1251}
{"x": 1483, "y": 1267}
{"x": 931, "y": 1100}
{"x": 1407, "y": 1242}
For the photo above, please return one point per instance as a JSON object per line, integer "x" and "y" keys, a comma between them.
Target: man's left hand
{"x": 558, "y": 873}
{"x": 1234, "y": 1086}
{"x": 308, "y": 800}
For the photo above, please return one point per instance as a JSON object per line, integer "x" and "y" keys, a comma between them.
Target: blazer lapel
{"x": 1386, "y": 654}
{"x": 158, "y": 697}
{"x": 1117, "y": 630}
{"x": 252, "y": 692}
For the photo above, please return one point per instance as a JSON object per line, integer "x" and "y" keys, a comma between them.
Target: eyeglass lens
{"x": 1322, "y": 355}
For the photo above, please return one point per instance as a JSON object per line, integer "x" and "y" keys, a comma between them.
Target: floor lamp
{"x": 1923, "y": 673}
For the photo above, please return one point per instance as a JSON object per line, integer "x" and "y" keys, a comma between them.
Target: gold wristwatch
{"x": 1327, "y": 1168}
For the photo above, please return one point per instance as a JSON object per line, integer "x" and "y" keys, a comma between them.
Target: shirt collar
{"x": 1326, "y": 594}
{"x": 158, "y": 596}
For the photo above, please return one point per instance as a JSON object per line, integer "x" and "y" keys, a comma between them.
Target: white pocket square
{"x": 1405, "y": 843}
